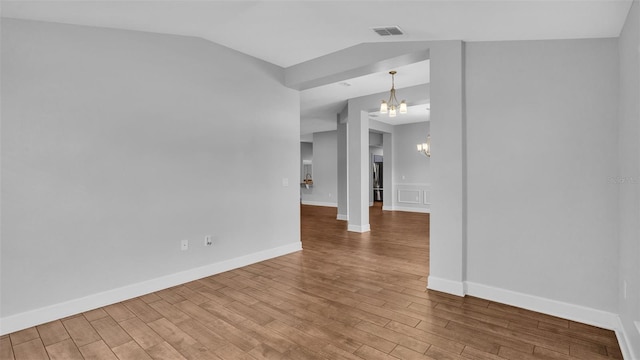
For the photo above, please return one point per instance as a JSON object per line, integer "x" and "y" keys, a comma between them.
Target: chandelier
{"x": 425, "y": 148}
{"x": 392, "y": 106}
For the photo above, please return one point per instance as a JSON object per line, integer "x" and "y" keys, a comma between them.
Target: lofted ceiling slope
{"x": 287, "y": 33}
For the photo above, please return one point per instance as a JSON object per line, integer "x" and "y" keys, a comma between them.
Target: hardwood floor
{"x": 345, "y": 296}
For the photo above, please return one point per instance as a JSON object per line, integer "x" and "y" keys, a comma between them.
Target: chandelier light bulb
{"x": 383, "y": 107}
{"x": 403, "y": 107}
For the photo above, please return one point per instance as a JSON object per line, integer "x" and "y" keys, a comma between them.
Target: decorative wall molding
{"x": 412, "y": 197}
{"x": 43, "y": 315}
{"x": 408, "y": 196}
{"x": 426, "y": 197}
{"x": 342, "y": 217}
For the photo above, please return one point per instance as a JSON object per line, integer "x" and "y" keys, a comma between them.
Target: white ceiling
{"x": 269, "y": 29}
{"x": 290, "y": 32}
{"x": 331, "y": 98}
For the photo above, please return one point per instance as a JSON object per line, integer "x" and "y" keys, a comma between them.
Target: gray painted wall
{"x": 325, "y": 171}
{"x": 118, "y": 144}
{"x": 412, "y": 167}
{"x": 412, "y": 172}
{"x": 627, "y": 180}
{"x": 542, "y": 142}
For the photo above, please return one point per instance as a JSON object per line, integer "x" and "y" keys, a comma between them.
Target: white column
{"x": 343, "y": 182}
{"x": 358, "y": 169}
{"x": 388, "y": 192}
{"x": 448, "y": 164}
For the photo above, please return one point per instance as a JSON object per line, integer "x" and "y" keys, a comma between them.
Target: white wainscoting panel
{"x": 426, "y": 197}
{"x": 408, "y": 196}
{"x": 411, "y": 197}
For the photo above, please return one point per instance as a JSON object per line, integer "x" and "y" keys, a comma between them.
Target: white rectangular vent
{"x": 388, "y": 31}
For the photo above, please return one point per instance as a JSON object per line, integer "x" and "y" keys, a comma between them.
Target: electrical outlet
{"x": 208, "y": 240}
{"x": 184, "y": 245}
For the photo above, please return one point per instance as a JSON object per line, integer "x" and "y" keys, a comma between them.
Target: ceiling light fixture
{"x": 392, "y": 106}
{"x": 425, "y": 148}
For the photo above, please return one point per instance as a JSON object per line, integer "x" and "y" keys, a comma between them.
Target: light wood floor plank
{"x": 30, "y": 350}
{"x": 131, "y": 351}
{"x": 97, "y": 351}
{"x": 25, "y": 335}
{"x": 52, "y": 332}
{"x": 81, "y": 331}
{"x": 6, "y": 351}
{"x": 64, "y": 350}
{"x": 164, "y": 351}
{"x": 141, "y": 333}
{"x": 111, "y": 332}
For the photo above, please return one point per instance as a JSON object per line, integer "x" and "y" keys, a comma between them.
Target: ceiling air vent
{"x": 388, "y": 31}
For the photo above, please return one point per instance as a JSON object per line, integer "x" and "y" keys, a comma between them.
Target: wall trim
{"x": 624, "y": 341}
{"x": 402, "y": 192}
{"x": 358, "y": 228}
{"x": 319, "y": 203}
{"x": 561, "y": 309}
{"x": 445, "y": 285}
{"x": 407, "y": 209}
{"x": 342, "y": 217}
{"x": 414, "y": 184}
{"x": 49, "y": 313}
{"x": 412, "y": 209}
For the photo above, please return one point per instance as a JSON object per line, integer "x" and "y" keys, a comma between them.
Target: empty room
{"x": 320, "y": 179}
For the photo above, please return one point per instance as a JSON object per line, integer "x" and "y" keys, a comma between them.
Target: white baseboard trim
{"x": 46, "y": 314}
{"x": 625, "y": 342}
{"x": 319, "y": 203}
{"x": 358, "y": 228}
{"x": 342, "y": 217}
{"x": 411, "y": 209}
{"x": 561, "y": 309}
{"x": 445, "y": 285}
{"x": 406, "y": 208}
